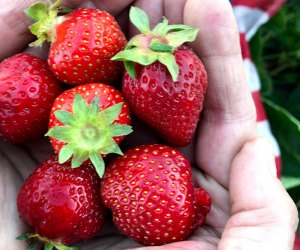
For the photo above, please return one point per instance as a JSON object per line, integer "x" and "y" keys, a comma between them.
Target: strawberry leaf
{"x": 138, "y": 55}
{"x": 25, "y": 236}
{"x": 111, "y": 113}
{"x": 161, "y": 28}
{"x": 80, "y": 106}
{"x": 139, "y": 19}
{"x": 178, "y": 38}
{"x": 94, "y": 108}
{"x": 33, "y": 245}
{"x": 129, "y": 66}
{"x": 169, "y": 61}
{"x": 78, "y": 159}
{"x": 64, "y": 117}
{"x": 37, "y": 11}
{"x": 60, "y": 133}
{"x": 161, "y": 47}
{"x": 48, "y": 246}
{"x": 120, "y": 129}
{"x": 65, "y": 153}
{"x": 111, "y": 147}
{"x": 98, "y": 163}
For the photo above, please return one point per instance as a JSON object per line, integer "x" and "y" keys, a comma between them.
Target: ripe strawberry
{"x": 27, "y": 91}
{"x": 165, "y": 82}
{"x": 88, "y": 121}
{"x": 82, "y": 43}
{"x": 151, "y": 195}
{"x": 62, "y": 204}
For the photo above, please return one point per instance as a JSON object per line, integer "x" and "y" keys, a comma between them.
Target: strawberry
{"x": 63, "y": 205}
{"x": 87, "y": 122}
{"x": 27, "y": 91}
{"x": 165, "y": 82}
{"x": 152, "y": 196}
{"x": 82, "y": 43}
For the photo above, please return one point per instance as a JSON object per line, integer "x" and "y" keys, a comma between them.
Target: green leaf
{"x": 61, "y": 133}
{"x": 139, "y": 19}
{"x": 80, "y": 106}
{"x": 33, "y": 245}
{"x": 36, "y": 30}
{"x": 290, "y": 182}
{"x": 290, "y": 165}
{"x": 37, "y": 11}
{"x": 130, "y": 68}
{"x": 94, "y": 107}
{"x": 65, "y": 153}
{"x": 98, "y": 163}
{"x": 120, "y": 129}
{"x": 111, "y": 147}
{"x": 161, "y": 47}
{"x": 24, "y": 236}
{"x": 293, "y": 102}
{"x": 62, "y": 247}
{"x": 55, "y": 5}
{"x": 266, "y": 82}
{"x": 138, "y": 55}
{"x": 178, "y": 38}
{"x": 64, "y": 117}
{"x": 48, "y": 246}
{"x": 169, "y": 61}
{"x": 285, "y": 127}
{"x": 78, "y": 159}
{"x": 111, "y": 113}
{"x": 161, "y": 28}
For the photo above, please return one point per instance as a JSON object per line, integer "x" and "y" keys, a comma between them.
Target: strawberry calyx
{"x": 88, "y": 132}
{"x": 35, "y": 239}
{"x": 45, "y": 17}
{"x": 154, "y": 45}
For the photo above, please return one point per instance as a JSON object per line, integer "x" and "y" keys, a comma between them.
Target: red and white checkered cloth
{"x": 250, "y": 15}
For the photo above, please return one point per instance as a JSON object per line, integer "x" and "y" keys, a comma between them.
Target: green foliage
{"x": 276, "y": 53}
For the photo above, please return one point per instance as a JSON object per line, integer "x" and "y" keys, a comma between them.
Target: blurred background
{"x": 276, "y": 53}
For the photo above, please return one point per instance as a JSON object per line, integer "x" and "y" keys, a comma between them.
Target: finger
{"x": 173, "y": 10}
{"x": 19, "y": 158}
{"x": 228, "y": 118}
{"x": 263, "y": 214}
{"x": 114, "y": 7}
{"x": 10, "y": 181}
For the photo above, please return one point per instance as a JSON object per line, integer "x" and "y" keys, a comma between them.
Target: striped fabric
{"x": 250, "y": 15}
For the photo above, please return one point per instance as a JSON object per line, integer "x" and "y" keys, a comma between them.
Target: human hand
{"x": 250, "y": 209}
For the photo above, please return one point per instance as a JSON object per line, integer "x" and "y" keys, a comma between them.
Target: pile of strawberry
{"x": 75, "y": 96}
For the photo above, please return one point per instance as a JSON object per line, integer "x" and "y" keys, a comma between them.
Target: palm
{"x": 209, "y": 235}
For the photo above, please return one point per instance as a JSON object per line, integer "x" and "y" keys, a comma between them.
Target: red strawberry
{"x": 165, "y": 82}
{"x": 61, "y": 204}
{"x": 151, "y": 195}
{"x": 88, "y": 121}
{"x": 27, "y": 91}
{"x": 82, "y": 43}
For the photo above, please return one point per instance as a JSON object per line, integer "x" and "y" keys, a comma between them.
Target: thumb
{"x": 263, "y": 215}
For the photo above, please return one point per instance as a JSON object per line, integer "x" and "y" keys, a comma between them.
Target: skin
{"x": 251, "y": 209}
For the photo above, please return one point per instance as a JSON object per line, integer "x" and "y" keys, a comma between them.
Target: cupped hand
{"x": 250, "y": 208}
